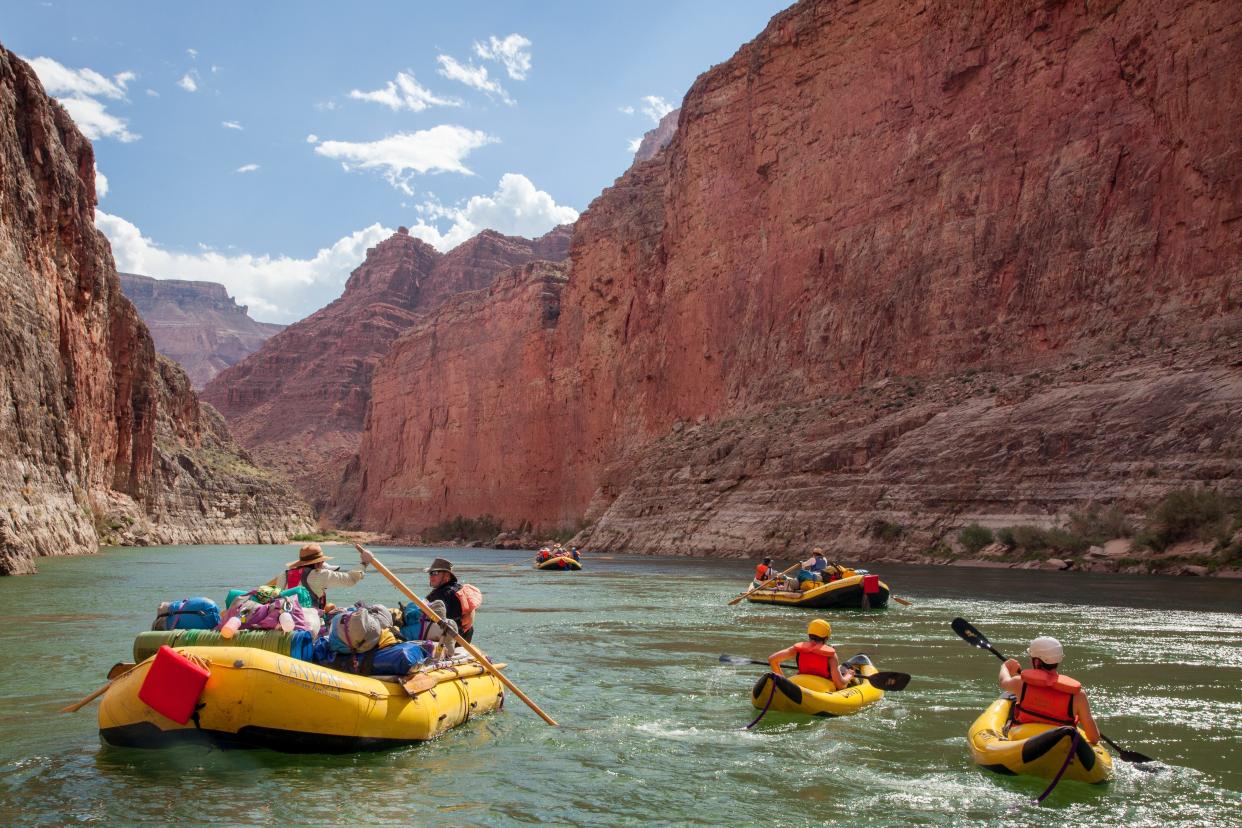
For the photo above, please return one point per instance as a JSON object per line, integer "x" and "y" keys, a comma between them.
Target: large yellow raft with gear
{"x": 257, "y": 698}
{"x": 1034, "y": 749}
{"x": 816, "y": 695}
{"x": 859, "y": 590}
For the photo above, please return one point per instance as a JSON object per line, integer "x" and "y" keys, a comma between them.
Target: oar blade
{"x": 732, "y": 659}
{"x": 889, "y": 680}
{"x": 1134, "y": 757}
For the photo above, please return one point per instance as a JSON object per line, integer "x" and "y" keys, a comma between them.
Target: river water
{"x": 625, "y": 654}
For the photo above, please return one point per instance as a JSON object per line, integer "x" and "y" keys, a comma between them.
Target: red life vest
{"x": 812, "y": 658}
{"x": 297, "y": 577}
{"x": 1046, "y": 697}
{"x": 763, "y": 572}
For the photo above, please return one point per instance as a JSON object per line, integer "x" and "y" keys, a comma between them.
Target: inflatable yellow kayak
{"x": 257, "y": 698}
{"x": 559, "y": 562}
{"x": 846, "y": 592}
{"x": 815, "y": 695}
{"x": 1033, "y": 749}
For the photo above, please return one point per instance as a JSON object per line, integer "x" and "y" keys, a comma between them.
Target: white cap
{"x": 1046, "y": 649}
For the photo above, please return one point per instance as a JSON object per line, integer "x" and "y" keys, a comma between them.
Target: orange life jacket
{"x": 812, "y": 658}
{"x": 763, "y": 572}
{"x": 1046, "y": 697}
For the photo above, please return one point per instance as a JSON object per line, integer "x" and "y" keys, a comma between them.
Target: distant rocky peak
{"x": 658, "y": 138}
{"x": 393, "y": 270}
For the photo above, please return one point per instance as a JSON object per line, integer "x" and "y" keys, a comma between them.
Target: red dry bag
{"x": 173, "y": 685}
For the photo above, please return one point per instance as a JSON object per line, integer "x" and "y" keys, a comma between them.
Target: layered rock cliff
{"x": 299, "y": 402}
{"x": 195, "y": 324}
{"x": 92, "y": 426}
{"x": 871, "y": 191}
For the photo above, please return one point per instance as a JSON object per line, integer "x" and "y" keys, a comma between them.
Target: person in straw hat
{"x": 309, "y": 570}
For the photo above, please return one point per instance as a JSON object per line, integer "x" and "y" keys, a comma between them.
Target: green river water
{"x": 625, "y": 655}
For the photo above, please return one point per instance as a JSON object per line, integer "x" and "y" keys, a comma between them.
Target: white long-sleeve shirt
{"x": 319, "y": 580}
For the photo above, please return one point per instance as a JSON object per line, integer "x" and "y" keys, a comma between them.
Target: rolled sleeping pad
{"x": 297, "y": 644}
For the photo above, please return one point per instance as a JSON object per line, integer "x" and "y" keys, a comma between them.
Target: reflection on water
{"x": 625, "y": 654}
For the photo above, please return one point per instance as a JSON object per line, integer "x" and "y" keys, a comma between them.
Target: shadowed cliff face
{"x": 195, "y": 324}
{"x": 87, "y": 415}
{"x": 299, "y": 401}
{"x": 864, "y": 191}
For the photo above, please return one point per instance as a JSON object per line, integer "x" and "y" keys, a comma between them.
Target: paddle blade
{"x": 1135, "y": 757}
{"x": 732, "y": 659}
{"x": 901, "y": 601}
{"x": 889, "y": 681}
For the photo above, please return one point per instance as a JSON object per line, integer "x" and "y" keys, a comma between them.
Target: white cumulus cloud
{"x": 403, "y": 93}
{"x": 516, "y": 208}
{"x": 512, "y": 52}
{"x": 277, "y": 288}
{"x": 401, "y": 156}
{"x": 247, "y": 168}
{"x": 189, "y": 81}
{"x": 96, "y": 122}
{"x": 312, "y": 138}
{"x": 80, "y": 90}
{"x": 473, "y": 76}
{"x": 231, "y": 125}
{"x": 655, "y": 107}
{"x": 634, "y": 144}
{"x": 101, "y": 184}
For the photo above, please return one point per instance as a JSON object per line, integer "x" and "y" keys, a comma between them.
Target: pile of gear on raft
{"x": 364, "y": 639}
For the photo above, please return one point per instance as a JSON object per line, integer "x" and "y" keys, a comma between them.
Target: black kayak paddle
{"x": 972, "y": 636}
{"x": 881, "y": 680}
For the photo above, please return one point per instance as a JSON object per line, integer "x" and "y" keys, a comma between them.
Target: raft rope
{"x": 1073, "y": 750}
{"x": 771, "y": 695}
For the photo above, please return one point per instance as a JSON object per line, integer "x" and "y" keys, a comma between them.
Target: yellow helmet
{"x": 819, "y": 628}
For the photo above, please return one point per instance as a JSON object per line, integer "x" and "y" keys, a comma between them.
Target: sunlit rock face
{"x": 298, "y": 402}
{"x": 865, "y": 191}
{"x": 99, "y": 439}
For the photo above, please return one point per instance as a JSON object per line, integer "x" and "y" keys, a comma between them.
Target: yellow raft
{"x": 559, "y": 562}
{"x": 816, "y": 695}
{"x": 256, "y": 698}
{"x": 845, "y": 592}
{"x": 1034, "y": 749}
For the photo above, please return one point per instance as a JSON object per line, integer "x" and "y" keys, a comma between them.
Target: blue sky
{"x": 267, "y": 145}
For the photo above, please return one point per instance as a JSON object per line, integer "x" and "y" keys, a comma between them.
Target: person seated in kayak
{"x": 310, "y": 571}
{"x": 445, "y": 588}
{"x": 1043, "y": 694}
{"x": 814, "y": 657}
{"x": 763, "y": 572}
{"x": 813, "y": 566}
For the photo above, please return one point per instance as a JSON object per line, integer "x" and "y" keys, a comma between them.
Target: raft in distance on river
{"x": 560, "y": 562}
{"x": 858, "y": 591}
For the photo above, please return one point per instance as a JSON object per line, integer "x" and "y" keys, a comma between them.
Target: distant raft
{"x": 857, "y": 591}
{"x": 561, "y": 562}
{"x": 1034, "y": 749}
{"x": 256, "y": 698}
{"x": 815, "y": 695}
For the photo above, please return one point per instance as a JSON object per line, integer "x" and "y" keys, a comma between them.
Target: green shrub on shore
{"x": 975, "y": 537}
{"x": 1191, "y": 514}
{"x": 884, "y": 530}
{"x": 481, "y": 528}
{"x": 317, "y": 537}
{"x": 1098, "y": 526}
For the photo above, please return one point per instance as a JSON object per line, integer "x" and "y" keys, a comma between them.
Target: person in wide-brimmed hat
{"x": 444, "y": 587}
{"x": 309, "y": 571}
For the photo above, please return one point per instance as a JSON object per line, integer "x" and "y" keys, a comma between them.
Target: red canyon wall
{"x": 865, "y": 190}
{"x": 299, "y": 401}
{"x": 95, "y": 434}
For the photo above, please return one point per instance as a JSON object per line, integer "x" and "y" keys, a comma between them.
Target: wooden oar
{"x": 901, "y": 601}
{"x": 470, "y": 648}
{"x": 885, "y": 680}
{"x": 765, "y": 583}
{"x": 975, "y": 638}
{"x": 115, "y": 673}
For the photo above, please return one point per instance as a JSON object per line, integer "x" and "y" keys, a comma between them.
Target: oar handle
{"x": 765, "y": 583}
{"x": 470, "y": 648}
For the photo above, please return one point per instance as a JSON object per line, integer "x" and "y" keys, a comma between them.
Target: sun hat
{"x": 308, "y": 555}
{"x": 440, "y": 565}
{"x": 1047, "y": 649}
